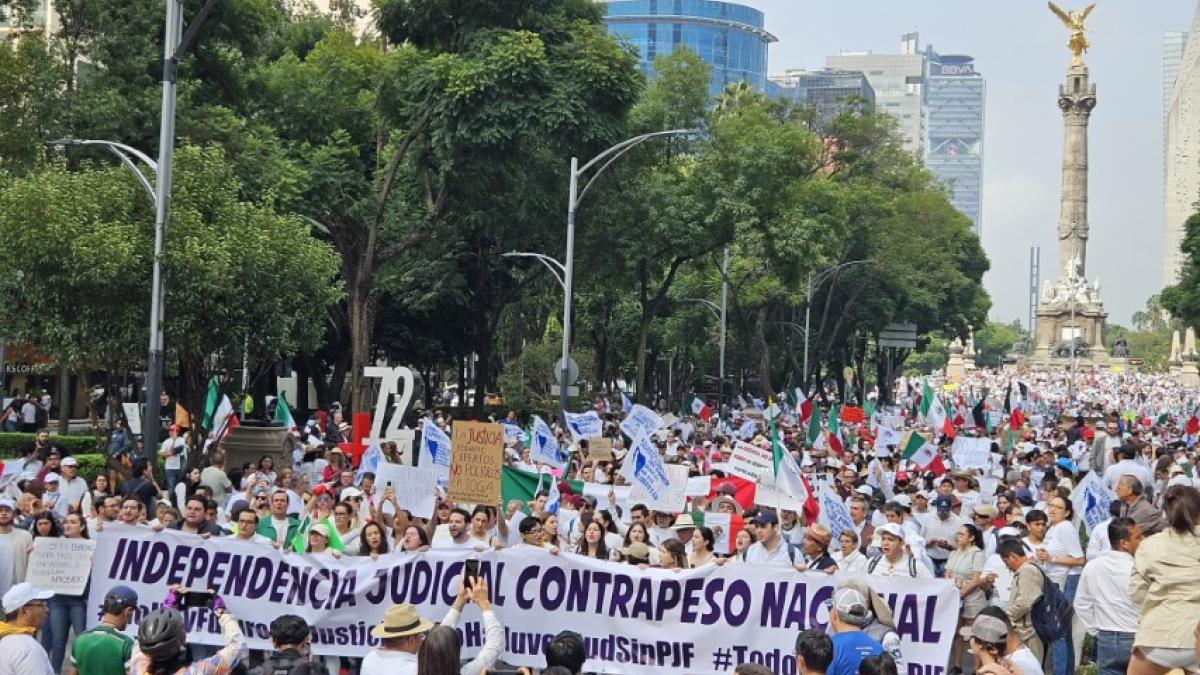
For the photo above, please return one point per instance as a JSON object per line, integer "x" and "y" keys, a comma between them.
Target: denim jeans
{"x": 1063, "y": 651}
{"x": 1112, "y": 652}
{"x": 66, "y": 612}
{"x": 173, "y": 477}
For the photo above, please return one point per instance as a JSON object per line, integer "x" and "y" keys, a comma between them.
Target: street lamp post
{"x": 724, "y": 316}
{"x": 175, "y": 42}
{"x": 812, "y": 283}
{"x": 574, "y": 196}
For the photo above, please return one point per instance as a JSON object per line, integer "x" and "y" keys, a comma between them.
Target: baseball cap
{"x": 892, "y": 529}
{"x": 70, "y": 461}
{"x": 122, "y": 596}
{"x": 850, "y": 601}
{"x": 6, "y": 503}
{"x": 864, "y": 490}
{"x": 351, "y": 492}
{"x": 942, "y": 502}
{"x": 22, "y": 594}
{"x": 903, "y": 500}
{"x": 51, "y": 478}
{"x": 987, "y": 629}
{"x": 766, "y": 518}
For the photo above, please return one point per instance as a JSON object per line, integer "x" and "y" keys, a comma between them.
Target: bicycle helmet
{"x": 161, "y": 633}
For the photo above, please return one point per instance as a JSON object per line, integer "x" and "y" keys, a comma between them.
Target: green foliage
{"x": 80, "y": 246}
{"x": 30, "y": 80}
{"x": 1183, "y": 299}
{"x": 11, "y": 443}
{"x": 994, "y": 341}
{"x": 525, "y": 382}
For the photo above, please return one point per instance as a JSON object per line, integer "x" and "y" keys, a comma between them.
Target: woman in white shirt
{"x": 849, "y": 558}
{"x": 1062, "y": 558}
{"x": 703, "y": 541}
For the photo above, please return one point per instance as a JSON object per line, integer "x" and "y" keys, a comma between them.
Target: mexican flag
{"x": 788, "y": 478}
{"x": 835, "y": 437}
{"x": 918, "y": 450}
{"x": 934, "y": 412}
{"x": 523, "y": 485}
{"x": 300, "y": 540}
{"x": 814, "y": 428}
{"x": 283, "y": 413}
{"x": 806, "y": 410}
{"x": 700, "y": 408}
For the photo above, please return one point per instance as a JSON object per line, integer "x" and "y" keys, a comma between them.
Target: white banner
{"x": 639, "y": 622}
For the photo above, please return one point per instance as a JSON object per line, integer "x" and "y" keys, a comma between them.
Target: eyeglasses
{"x": 36, "y": 603}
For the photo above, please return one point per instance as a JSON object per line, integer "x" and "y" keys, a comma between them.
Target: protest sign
{"x": 600, "y": 449}
{"x": 638, "y": 622}
{"x": 543, "y": 447}
{"x": 436, "y": 447}
{"x": 513, "y": 433}
{"x": 61, "y": 565}
{"x": 888, "y": 436}
{"x": 673, "y": 499}
{"x": 585, "y": 425}
{"x": 641, "y": 421}
{"x": 719, "y": 523}
{"x": 643, "y": 466}
{"x": 752, "y": 462}
{"x": 478, "y": 453}
{"x": 699, "y": 486}
{"x": 1091, "y": 499}
{"x": 133, "y": 414}
{"x": 414, "y": 486}
{"x": 768, "y": 496}
{"x": 971, "y": 453}
{"x": 834, "y": 513}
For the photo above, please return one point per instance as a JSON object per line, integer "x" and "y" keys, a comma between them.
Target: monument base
{"x": 1071, "y": 335}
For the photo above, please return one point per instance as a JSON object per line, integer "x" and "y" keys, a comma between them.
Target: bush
{"x": 10, "y": 443}
{"x": 91, "y": 465}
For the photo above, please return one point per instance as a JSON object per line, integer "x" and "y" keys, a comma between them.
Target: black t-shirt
{"x": 143, "y": 490}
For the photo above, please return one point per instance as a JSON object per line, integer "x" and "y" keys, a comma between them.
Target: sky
{"x": 1020, "y": 48}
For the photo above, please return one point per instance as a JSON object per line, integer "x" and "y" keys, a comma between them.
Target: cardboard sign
{"x": 414, "y": 486}
{"x": 477, "y": 453}
{"x": 971, "y": 453}
{"x": 600, "y": 449}
{"x": 61, "y": 565}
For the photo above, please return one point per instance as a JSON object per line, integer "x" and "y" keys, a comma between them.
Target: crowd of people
{"x": 1007, "y": 535}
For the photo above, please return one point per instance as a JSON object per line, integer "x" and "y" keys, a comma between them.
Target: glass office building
{"x": 954, "y": 99}
{"x": 728, "y": 36}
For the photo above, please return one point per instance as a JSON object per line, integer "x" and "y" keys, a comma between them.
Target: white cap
{"x": 850, "y": 601}
{"x": 864, "y": 490}
{"x": 903, "y": 500}
{"x": 892, "y": 529}
{"x": 51, "y": 478}
{"x": 6, "y": 503}
{"x": 22, "y": 594}
{"x": 351, "y": 492}
{"x": 69, "y": 461}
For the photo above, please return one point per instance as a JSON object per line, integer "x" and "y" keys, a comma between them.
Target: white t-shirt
{"x": 1025, "y": 662}
{"x": 29, "y": 413}
{"x": 174, "y": 462}
{"x": 1062, "y": 540}
{"x": 1128, "y": 467}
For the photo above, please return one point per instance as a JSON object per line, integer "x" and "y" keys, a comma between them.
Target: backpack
{"x": 912, "y": 565}
{"x": 1051, "y": 615}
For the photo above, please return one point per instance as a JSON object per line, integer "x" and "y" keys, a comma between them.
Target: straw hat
{"x": 401, "y": 621}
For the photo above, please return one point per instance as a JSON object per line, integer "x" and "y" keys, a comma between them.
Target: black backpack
{"x": 1052, "y": 613}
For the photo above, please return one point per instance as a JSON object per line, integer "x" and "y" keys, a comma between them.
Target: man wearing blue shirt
{"x": 847, "y": 615}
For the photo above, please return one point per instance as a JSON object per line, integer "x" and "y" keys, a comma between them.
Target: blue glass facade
{"x": 728, "y": 36}
{"x": 955, "y": 95}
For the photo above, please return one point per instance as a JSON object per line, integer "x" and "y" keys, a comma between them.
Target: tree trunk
{"x": 362, "y": 329}
{"x": 64, "y": 399}
{"x": 643, "y": 338}
{"x": 764, "y": 350}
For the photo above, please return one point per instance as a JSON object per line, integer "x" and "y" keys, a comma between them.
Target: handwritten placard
{"x": 600, "y": 449}
{"x": 477, "y": 453}
{"x": 673, "y": 499}
{"x": 61, "y": 565}
{"x": 752, "y": 462}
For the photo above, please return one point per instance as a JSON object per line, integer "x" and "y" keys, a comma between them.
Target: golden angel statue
{"x": 1074, "y": 22}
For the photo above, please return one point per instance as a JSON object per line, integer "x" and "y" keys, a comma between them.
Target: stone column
{"x": 1076, "y": 99}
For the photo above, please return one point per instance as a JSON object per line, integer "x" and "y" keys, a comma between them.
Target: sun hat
{"x": 401, "y": 621}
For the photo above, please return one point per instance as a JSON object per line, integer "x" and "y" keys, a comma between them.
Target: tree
{"x": 77, "y": 265}
{"x": 1183, "y": 299}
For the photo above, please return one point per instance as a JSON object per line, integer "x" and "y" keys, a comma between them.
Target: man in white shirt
{"x": 1103, "y": 603}
{"x": 895, "y": 561}
{"x": 29, "y": 416}
{"x": 1128, "y": 466}
{"x": 940, "y": 531}
{"x": 1098, "y": 542}
{"x": 72, "y": 487}
{"x": 770, "y": 549}
{"x": 400, "y": 636}
{"x": 20, "y": 651}
{"x": 458, "y": 530}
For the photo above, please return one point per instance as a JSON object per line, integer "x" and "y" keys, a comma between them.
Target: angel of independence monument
{"x": 1070, "y": 313}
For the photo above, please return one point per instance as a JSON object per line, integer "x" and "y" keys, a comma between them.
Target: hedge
{"x": 10, "y": 443}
